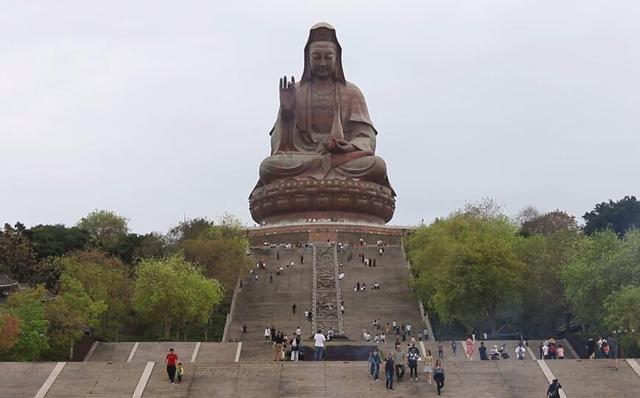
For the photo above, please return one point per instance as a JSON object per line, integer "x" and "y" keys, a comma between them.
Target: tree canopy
{"x": 17, "y": 258}
{"x": 56, "y": 240}
{"x": 105, "y": 228}
{"x": 28, "y": 307}
{"x": 604, "y": 265}
{"x": 620, "y": 216}
{"x": 465, "y": 267}
{"x": 173, "y": 293}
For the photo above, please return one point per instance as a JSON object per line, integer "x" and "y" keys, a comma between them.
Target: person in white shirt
{"x": 318, "y": 344}
{"x": 267, "y": 334}
{"x": 520, "y": 350}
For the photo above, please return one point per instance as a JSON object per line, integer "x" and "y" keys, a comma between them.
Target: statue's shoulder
{"x": 352, "y": 92}
{"x": 351, "y": 88}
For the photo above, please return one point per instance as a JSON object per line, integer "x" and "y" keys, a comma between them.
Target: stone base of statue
{"x": 311, "y": 200}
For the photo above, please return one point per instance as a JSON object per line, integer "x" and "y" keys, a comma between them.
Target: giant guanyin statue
{"x": 322, "y": 164}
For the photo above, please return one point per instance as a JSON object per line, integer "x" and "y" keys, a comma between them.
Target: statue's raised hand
{"x": 288, "y": 95}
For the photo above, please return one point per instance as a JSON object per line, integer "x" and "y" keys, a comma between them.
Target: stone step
{"x": 96, "y": 379}
{"x": 23, "y": 379}
{"x": 156, "y": 351}
{"x": 593, "y": 378}
{"x": 111, "y": 352}
{"x": 265, "y": 303}
{"x": 218, "y": 378}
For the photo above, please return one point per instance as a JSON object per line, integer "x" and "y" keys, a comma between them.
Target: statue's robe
{"x": 309, "y": 157}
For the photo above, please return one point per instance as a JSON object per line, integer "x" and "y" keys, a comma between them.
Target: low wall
{"x": 321, "y": 232}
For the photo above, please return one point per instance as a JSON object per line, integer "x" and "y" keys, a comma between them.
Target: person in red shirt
{"x": 171, "y": 360}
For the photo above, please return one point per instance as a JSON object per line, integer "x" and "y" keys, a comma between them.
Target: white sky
{"x": 160, "y": 110}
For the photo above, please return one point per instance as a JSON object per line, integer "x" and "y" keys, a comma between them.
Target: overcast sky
{"x": 160, "y": 111}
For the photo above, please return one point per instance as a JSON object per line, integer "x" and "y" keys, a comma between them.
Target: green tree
{"x": 173, "y": 293}
{"x": 545, "y": 257}
{"x": 71, "y": 314}
{"x": 149, "y": 245}
{"x": 619, "y": 216}
{"x": 56, "y": 240}
{"x": 220, "y": 249}
{"x": 464, "y": 266}
{"x": 9, "y": 331}
{"x": 605, "y": 265}
{"x": 623, "y": 312}
{"x": 549, "y": 223}
{"x": 17, "y": 257}
{"x": 106, "y": 229}
{"x": 105, "y": 280}
{"x": 198, "y": 228}
{"x": 27, "y": 305}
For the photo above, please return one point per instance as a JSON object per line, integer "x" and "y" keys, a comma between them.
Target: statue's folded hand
{"x": 336, "y": 145}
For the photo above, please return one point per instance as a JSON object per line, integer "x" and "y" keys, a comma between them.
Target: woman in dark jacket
{"x": 438, "y": 375}
{"x": 554, "y": 389}
{"x": 388, "y": 371}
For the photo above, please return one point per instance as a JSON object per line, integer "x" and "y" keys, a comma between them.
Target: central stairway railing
{"x": 326, "y": 295}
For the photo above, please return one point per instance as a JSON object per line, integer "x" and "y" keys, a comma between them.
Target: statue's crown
{"x": 322, "y": 32}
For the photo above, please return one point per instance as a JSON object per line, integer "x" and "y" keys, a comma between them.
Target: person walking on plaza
{"x": 591, "y": 348}
{"x": 293, "y": 308}
{"x": 388, "y": 371}
{"x": 613, "y": 353}
{"x": 438, "y": 375}
{"x": 318, "y": 344}
{"x": 554, "y": 389}
{"x": 440, "y": 350}
{"x": 374, "y": 363}
{"x": 179, "y": 372}
{"x": 171, "y": 360}
{"x": 295, "y": 347}
{"x": 483, "y": 352}
{"x": 454, "y": 347}
{"x": 278, "y": 347}
{"x": 470, "y": 347}
{"x": 267, "y": 334}
{"x": 398, "y": 358}
{"x": 412, "y": 359}
{"x": 428, "y": 366}
{"x": 520, "y": 350}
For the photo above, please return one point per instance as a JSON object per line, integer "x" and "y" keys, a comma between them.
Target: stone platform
{"x": 321, "y": 231}
{"x": 333, "y": 199}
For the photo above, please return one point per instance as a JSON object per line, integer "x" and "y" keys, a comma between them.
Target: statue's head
{"x": 322, "y": 60}
{"x": 323, "y": 54}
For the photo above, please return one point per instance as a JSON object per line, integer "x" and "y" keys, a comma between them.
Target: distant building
{"x": 7, "y": 285}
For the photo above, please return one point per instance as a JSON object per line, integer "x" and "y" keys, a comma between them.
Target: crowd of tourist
{"x": 604, "y": 348}
{"x": 396, "y": 362}
{"x": 285, "y": 347}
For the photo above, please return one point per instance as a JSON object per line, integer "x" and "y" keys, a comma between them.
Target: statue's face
{"x": 323, "y": 56}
